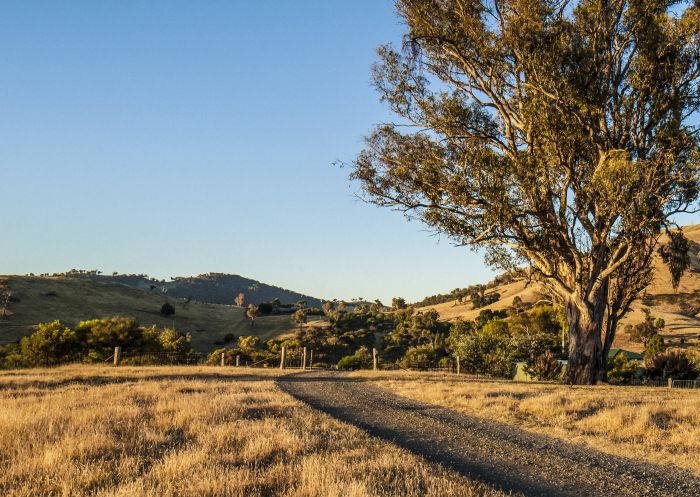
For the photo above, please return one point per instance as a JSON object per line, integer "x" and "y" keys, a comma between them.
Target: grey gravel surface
{"x": 498, "y": 454}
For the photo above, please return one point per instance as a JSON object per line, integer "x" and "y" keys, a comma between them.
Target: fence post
{"x": 117, "y": 355}
{"x": 284, "y": 356}
{"x": 238, "y": 360}
{"x": 458, "y": 365}
{"x": 303, "y": 364}
{"x": 223, "y": 359}
{"x": 670, "y": 383}
{"x": 311, "y": 359}
{"x": 374, "y": 359}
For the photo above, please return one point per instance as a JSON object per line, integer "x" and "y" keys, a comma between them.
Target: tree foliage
{"x": 553, "y": 134}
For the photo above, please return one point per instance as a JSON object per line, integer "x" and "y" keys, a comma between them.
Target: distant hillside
{"x": 214, "y": 288}
{"x": 680, "y": 308}
{"x": 41, "y": 299}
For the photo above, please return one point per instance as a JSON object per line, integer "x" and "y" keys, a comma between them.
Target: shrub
{"x": 51, "y": 344}
{"x": 655, "y": 346}
{"x": 674, "y": 364}
{"x": 422, "y": 357}
{"x": 167, "y": 309}
{"x": 350, "y": 363}
{"x": 544, "y": 367}
{"x": 621, "y": 369}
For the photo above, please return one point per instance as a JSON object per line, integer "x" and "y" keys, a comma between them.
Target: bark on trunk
{"x": 587, "y": 365}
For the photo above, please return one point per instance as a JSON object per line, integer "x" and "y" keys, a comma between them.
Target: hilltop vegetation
{"x": 37, "y": 300}
{"x": 213, "y": 288}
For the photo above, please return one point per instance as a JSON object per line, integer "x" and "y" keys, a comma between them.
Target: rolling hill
{"x": 679, "y": 308}
{"x": 213, "y": 288}
{"x": 42, "y": 299}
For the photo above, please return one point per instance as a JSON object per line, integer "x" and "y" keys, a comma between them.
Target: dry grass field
{"x": 197, "y": 431}
{"x": 655, "y": 424}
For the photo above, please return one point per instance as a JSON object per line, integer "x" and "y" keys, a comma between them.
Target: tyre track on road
{"x": 498, "y": 454}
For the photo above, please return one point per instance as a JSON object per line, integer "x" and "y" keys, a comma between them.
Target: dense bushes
{"x": 94, "y": 341}
{"x": 673, "y": 364}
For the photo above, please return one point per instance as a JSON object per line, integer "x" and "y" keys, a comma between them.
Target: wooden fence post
{"x": 284, "y": 356}
{"x": 303, "y": 363}
{"x": 311, "y": 359}
{"x": 374, "y": 359}
{"x": 223, "y": 359}
{"x": 117, "y": 355}
{"x": 238, "y": 360}
{"x": 458, "y": 365}
{"x": 670, "y": 383}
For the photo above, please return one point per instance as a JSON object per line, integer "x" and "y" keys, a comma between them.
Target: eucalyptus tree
{"x": 554, "y": 134}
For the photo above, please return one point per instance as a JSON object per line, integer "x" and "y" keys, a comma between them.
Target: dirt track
{"x": 498, "y": 454}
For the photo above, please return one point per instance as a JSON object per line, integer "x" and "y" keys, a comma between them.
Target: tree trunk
{"x": 587, "y": 366}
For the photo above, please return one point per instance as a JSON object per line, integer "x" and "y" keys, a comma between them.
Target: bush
{"x": 674, "y": 364}
{"x": 655, "y": 346}
{"x": 350, "y": 363}
{"x": 621, "y": 369}
{"x": 51, "y": 344}
{"x": 167, "y": 309}
{"x": 544, "y": 367}
{"x": 422, "y": 357}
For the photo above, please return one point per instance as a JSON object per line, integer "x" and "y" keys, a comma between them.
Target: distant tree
{"x": 654, "y": 346}
{"x": 252, "y": 313}
{"x": 554, "y": 135}
{"x": 50, "y": 344}
{"x": 5, "y": 296}
{"x": 167, "y": 309}
{"x": 300, "y": 317}
{"x": 642, "y": 332}
{"x": 398, "y": 303}
{"x": 240, "y": 299}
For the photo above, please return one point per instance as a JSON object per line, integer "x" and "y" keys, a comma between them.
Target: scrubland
{"x": 658, "y": 425}
{"x": 191, "y": 431}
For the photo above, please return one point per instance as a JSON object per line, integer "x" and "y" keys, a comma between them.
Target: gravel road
{"x": 495, "y": 453}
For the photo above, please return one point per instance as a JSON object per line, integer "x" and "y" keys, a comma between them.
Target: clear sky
{"x": 178, "y": 138}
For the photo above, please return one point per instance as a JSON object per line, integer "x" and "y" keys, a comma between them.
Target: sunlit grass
{"x": 654, "y": 424}
{"x": 80, "y": 431}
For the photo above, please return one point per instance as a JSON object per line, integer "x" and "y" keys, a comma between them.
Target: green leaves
{"x": 675, "y": 255}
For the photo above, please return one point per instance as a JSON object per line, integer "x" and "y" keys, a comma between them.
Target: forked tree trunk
{"x": 587, "y": 366}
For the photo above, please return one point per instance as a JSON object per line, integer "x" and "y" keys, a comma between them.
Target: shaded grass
{"x": 654, "y": 424}
{"x": 194, "y": 431}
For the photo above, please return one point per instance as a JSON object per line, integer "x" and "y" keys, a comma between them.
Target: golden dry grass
{"x": 655, "y": 424}
{"x": 79, "y": 431}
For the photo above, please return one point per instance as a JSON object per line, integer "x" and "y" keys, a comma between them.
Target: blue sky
{"x": 176, "y": 138}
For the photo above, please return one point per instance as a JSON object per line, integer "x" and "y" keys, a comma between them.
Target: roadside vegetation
{"x": 533, "y": 336}
{"x": 656, "y": 425}
{"x": 86, "y": 430}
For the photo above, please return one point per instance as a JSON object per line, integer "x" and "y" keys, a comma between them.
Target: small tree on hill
{"x": 240, "y": 299}
{"x": 252, "y": 313}
{"x": 167, "y": 309}
{"x": 300, "y": 317}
